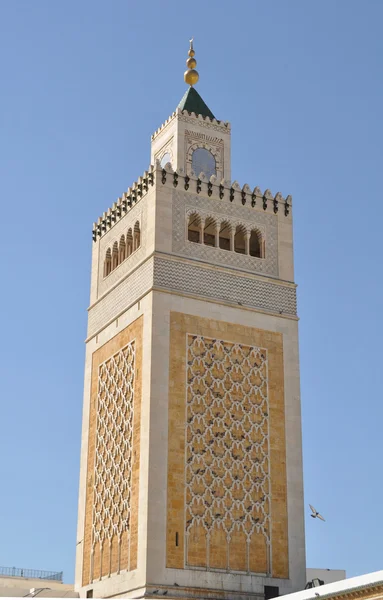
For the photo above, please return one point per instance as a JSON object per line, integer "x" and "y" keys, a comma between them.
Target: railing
{"x": 31, "y": 573}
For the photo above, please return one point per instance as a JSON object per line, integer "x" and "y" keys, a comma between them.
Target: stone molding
{"x": 196, "y": 279}
{"x": 191, "y": 278}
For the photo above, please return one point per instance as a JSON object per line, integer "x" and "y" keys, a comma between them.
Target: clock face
{"x": 203, "y": 161}
{"x": 165, "y": 159}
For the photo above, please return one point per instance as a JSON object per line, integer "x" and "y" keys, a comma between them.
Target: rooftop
{"x": 339, "y": 588}
{"x": 31, "y": 573}
{"x": 192, "y": 102}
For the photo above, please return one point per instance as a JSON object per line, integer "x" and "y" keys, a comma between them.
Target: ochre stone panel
{"x": 227, "y": 492}
{"x": 111, "y": 512}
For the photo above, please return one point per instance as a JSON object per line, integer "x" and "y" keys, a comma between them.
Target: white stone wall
{"x": 182, "y": 132}
{"x": 143, "y": 212}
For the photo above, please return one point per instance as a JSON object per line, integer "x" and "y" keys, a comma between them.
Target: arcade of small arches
{"x": 225, "y": 235}
{"x": 121, "y": 250}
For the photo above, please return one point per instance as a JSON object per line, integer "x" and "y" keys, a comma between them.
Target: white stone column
{"x": 202, "y": 231}
{"x": 232, "y": 236}
{"x": 217, "y": 228}
{"x": 247, "y": 242}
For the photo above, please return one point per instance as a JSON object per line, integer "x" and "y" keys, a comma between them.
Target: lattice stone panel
{"x": 112, "y": 487}
{"x": 227, "y": 452}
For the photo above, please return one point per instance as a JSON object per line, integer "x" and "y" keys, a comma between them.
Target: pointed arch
{"x": 239, "y": 239}
{"x": 194, "y": 228}
{"x": 136, "y": 236}
{"x": 209, "y": 232}
{"x": 225, "y": 235}
{"x": 122, "y": 249}
{"x": 115, "y": 256}
{"x": 129, "y": 242}
{"x": 256, "y": 244}
{"x": 108, "y": 262}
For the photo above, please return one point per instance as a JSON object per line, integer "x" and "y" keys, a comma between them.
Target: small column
{"x": 217, "y": 228}
{"x": 202, "y": 231}
{"x": 232, "y": 236}
{"x": 247, "y": 242}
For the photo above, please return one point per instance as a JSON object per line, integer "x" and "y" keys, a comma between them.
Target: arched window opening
{"x": 209, "y": 232}
{"x": 239, "y": 240}
{"x": 136, "y": 236}
{"x": 194, "y": 228}
{"x": 203, "y": 160}
{"x": 165, "y": 159}
{"x": 225, "y": 236}
{"x": 121, "y": 249}
{"x": 108, "y": 262}
{"x": 129, "y": 243}
{"x": 114, "y": 256}
{"x": 255, "y": 244}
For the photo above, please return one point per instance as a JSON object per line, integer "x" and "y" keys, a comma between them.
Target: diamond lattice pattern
{"x": 114, "y": 447}
{"x": 227, "y": 446}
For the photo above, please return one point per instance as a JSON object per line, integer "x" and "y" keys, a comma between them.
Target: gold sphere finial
{"x": 191, "y": 75}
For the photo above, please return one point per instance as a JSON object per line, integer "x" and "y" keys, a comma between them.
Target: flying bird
{"x": 315, "y": 514}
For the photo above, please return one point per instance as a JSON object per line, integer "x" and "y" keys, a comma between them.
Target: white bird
{"x": 316, "y": 514}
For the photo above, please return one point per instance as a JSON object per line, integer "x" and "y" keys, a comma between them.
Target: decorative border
{"x": 194, "y": 140}
{"x": 192, "y": 278}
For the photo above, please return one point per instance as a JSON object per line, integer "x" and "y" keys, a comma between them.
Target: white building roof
{"x": 339, "y": 587}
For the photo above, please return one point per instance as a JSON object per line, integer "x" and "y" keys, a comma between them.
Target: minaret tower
{"x": 191, "y": 466}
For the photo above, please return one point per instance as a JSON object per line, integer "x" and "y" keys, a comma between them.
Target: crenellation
{"x": 225, "y": 125}
{"x": 224, "y": 189}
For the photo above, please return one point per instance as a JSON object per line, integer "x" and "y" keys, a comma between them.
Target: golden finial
{"x": 191, "y": 75}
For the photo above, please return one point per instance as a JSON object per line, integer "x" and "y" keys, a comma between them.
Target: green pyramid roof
{"x": 192, "y": 102}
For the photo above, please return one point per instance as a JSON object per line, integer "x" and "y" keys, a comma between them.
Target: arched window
{"x": 239, "y": 240}
{"x": 209, "y": 232}
{"x": 136, "y": 236}
{"x": 108, "y": 262}
{"x": 203, "y": 160}
{"x": 129, "y": 243}
{"x": 165, "y": 159}
{"x": 121, "y": 249}
{"x": 115, "y": 256}
{"x": 225, "y": 235}
{"x": 194, "y": 228}
{"x": 255, "y": 244}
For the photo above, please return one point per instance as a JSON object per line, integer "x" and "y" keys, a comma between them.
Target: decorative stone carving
{"x": 112, "y": 486}
{"x": 227, "y": 444}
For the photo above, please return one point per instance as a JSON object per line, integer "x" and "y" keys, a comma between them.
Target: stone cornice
{"x": 222, "y": 190}
{"x": 369, "y": 590}
{"x": 191, "y": 117}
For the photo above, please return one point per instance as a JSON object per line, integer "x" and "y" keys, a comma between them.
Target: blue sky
{"x": 84, "y": 84}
